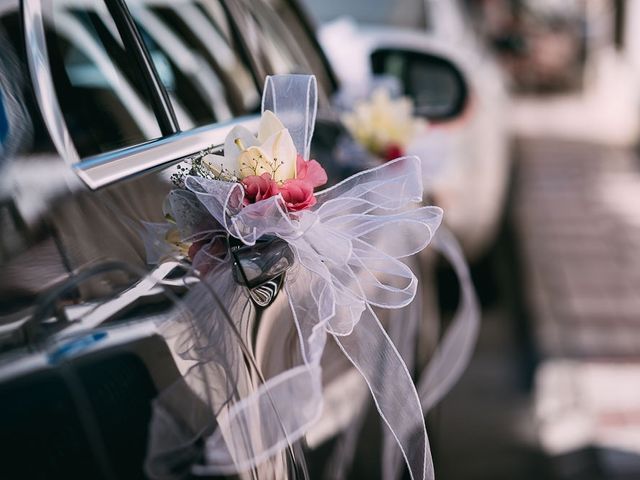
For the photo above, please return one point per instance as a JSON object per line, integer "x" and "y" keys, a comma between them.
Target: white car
{"x": 466, "y": 156}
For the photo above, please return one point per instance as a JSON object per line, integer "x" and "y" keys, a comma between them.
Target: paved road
{"x": 576, "y": 214}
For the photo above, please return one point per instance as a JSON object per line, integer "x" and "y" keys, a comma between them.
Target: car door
{"x": 114, "y": 106}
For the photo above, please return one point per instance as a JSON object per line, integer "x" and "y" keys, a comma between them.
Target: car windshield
{"x": 412, "y": 14}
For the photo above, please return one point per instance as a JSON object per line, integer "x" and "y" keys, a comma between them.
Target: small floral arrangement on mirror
{"x": 385, "y": 126}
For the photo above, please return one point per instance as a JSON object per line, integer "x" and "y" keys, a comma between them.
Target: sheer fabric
{"x": 351, "y": 256}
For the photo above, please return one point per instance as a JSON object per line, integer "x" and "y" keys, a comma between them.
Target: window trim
{"x": 107, "y": 168}
{"x": 131, "y": 37}
{"x": 38, "y": 60}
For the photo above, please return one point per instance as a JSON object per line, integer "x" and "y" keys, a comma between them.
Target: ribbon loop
{"x": 294, "y": 100}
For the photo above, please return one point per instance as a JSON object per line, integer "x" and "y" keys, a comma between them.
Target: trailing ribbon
{"x": 441, "y": 373}
{"x": 456, "y": 347}
{"x": 454, "y": 350}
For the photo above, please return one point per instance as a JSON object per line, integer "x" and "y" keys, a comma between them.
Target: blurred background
{"x": 554, "y": 388}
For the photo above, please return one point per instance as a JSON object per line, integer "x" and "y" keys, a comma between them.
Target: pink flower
{"x": 259, "y": 188}
{"x": 392, "y": 151}
{"x": 297, "y": 194}
{"x": 310, "y": 171}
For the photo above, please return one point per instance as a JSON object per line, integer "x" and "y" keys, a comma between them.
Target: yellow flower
{"x": 383, "y": 121}
{"x": 272, "y": 151}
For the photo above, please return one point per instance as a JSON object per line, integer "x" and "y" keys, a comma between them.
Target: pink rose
{"x": 297, "y": 194}
{"x": 310, "y": 171}
{"x": 258, "y": 188}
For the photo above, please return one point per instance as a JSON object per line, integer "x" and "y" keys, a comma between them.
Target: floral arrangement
{"x": 384, "y": 125}
{"x": 266, "y": 165}
{"x": 252, "y": 222}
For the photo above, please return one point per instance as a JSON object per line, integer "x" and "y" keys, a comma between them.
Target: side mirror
{"x": 437, "y": 87}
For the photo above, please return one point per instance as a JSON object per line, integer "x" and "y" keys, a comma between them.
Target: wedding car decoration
{"x": 253, "y": 221}
{"x": 384, "y": 125}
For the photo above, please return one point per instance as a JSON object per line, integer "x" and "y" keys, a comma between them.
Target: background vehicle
{"x": 467, "y": 155}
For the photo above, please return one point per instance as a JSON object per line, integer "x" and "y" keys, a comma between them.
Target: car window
{"x": 210, "y": 61}
{"x": 305, "y": 40}
{"x": 101, "y": 95}
{"x": 206, "y": 73}
{"x": 197, "y": 59}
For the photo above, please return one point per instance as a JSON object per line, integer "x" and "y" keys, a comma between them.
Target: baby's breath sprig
{"x": 198, "y": 165}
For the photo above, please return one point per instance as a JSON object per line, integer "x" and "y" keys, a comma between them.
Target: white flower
{"x": 272, "y": 151}
{"x": 382, "y": 122}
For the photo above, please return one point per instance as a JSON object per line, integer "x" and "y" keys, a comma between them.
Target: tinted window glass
{"x": 98, "y": 85}
{"x": 278, "y": 41}
{"x": 198, "y": 61}
{"x": 305, "y": 39}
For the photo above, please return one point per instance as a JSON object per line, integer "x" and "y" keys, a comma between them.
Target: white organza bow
{"x": 345, "y": 267}
{"x": 348, "y": 259}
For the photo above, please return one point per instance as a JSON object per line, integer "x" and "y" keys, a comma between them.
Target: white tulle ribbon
{"x": 349, "y": 250}
{"x": 441, "y": 373}
{"x": 342, "y": 272}
{"x": 294, "y": 100}
{"x": 454, "y": 350}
